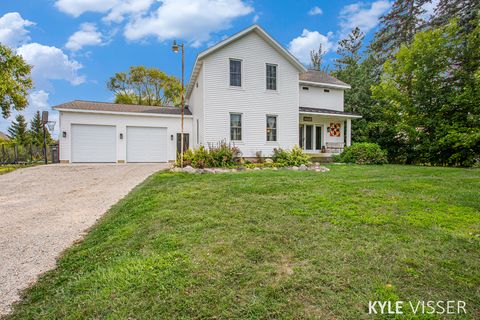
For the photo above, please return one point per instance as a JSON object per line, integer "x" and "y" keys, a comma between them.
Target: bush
{"x": 363, "y": 153}
{"x": 220, "y": 155}
{"x": 294, "y": 157}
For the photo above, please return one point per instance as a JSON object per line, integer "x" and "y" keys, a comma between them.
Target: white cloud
{"x": 301, "y": 46}
{"x": 77, "y": 7}
{"x": 50, "y": 63}
{"x": 255, "y": 18}
{"x": 127, "y": 7}
{"x": 191, "y": 20}
{"x": 315, "y": 11}
{"x": 38, "y": 100}
{"x": 13, "y": 30}
{"x": 116, "y": 9}
{"x": 86, "y": 36}
{"x": 362, "y": 15}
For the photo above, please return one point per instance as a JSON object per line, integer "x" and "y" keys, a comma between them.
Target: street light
{"x": 175, "y": 48}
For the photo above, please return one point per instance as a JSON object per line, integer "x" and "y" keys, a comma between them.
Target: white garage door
{"x": 92, "y": 143}
{"x": 146, "y": 144}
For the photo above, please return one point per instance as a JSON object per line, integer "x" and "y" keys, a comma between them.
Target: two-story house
{"x": 246, "y": 90}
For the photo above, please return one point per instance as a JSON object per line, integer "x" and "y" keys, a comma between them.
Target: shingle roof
{"x": 328, "y": 111}
{"x": 321, "y": 77}
{"x": 118, "y": 107}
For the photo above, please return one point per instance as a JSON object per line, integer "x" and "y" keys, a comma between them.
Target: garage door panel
{"x": 146, "y": 144}
{"x": 92, "y": 143}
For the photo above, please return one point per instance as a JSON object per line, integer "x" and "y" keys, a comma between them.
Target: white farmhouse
{"x": 246, "y": 90}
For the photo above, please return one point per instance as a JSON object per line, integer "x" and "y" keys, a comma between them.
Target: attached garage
{"x": 110, "y": 132}
{"x": 93, "y": 143}
{"x": 146, "y": 144}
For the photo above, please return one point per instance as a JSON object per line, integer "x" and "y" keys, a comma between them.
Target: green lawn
{"x": 273, "y": 244}
{"x": 10, "y": 167}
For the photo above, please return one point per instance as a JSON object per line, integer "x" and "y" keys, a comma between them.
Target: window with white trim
{"x": 271, "y": 128}
{"x": 235, "y": 73}
{"x": 271, "y": 71}
{"x": 235, "y": 126}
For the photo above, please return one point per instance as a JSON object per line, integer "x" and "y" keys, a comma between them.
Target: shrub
{"x": 294, "y": 157}
{"x": 363, "y": 153}
{"x": 220, "y": 155}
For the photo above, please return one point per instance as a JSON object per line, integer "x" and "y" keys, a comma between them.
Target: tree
{"x": 18, "y": 130}
{"x": 352, "y": 68}
{"x": 15, "y": 81}
{"x": 36, "y": 131}
{"x": 316, "y": 58}
{"x": 145, "y": 86}
{"x": 431, "y": 101}
{"x": 465, "y": 10}
{"x": 349, "y": 50}
{"x": 399, "y": 26}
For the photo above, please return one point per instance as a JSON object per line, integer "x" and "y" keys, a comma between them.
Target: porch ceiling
{"x": 328, "y": 112}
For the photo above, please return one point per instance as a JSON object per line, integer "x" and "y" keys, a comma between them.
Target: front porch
{"x": 323, "y": 132}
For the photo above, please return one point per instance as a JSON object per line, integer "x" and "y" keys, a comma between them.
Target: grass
{"x": 270, "y": 245}
{"x": 10, "y": 167}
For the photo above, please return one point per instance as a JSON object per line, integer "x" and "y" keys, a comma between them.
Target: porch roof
{"x": 328, "y": 112}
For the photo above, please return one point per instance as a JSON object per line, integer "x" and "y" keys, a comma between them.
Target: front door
{"x": 311, "y": 137}
{"x": 306, "y": 137}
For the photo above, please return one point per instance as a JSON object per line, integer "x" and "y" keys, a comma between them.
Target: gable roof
{"x": 254, "y": 28}
{"x": 85, "y": 106}
{"x": 322, "y": 78}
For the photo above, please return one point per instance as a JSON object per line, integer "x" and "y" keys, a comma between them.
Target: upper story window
{"x": 235, "y": 73}
{"x": 235, "y": 126}
{"x": 271, "y": 128}
{"x": 271, "y": 77}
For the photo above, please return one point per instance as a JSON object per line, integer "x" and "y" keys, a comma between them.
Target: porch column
{"x": 349, "y": 132}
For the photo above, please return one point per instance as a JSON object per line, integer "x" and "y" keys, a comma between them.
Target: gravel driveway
{"x": 45, "y": 209}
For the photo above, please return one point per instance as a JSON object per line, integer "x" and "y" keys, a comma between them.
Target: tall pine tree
{"x": 352, "y": 68}
{"x": 464, "y": 10}
{"x": 399, "y": 26}
{"x": 18, "y": 130}
{"x": 349, "y": 50}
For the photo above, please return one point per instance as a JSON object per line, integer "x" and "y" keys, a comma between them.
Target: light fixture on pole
{"x": 175, "y": 48}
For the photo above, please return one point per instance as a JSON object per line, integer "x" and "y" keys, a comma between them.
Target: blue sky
{"x": 76, "y": 45}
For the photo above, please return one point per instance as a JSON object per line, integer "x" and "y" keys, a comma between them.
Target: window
{"x": 305, "y": 88}
{"x": 271, "y": 128}
{"x": 235, "y": 73}
{"x": 235, "y": 126}
{"x": 271, "y": 77}
{"x": 326, "y": 90}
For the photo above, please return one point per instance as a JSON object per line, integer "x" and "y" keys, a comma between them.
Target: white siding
{"x": 316, "y": 97}
{"x": 172, "y": 123}
{"x": 252, "y": 100}
{"x": 195, "y": 104}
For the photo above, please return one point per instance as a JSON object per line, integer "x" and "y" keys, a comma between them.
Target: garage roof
{"x": 118, "y": 107}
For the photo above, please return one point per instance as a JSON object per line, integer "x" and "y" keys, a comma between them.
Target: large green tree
{"x": 36, "y": 130}
{"x": 18, "y": 131}
{"x": 430, "y": 101}
{"x": 145, "y": 86}
{"x": 15, "y": 81}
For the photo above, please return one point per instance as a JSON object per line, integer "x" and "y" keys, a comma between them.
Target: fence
{"x": 11, "y": 153}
